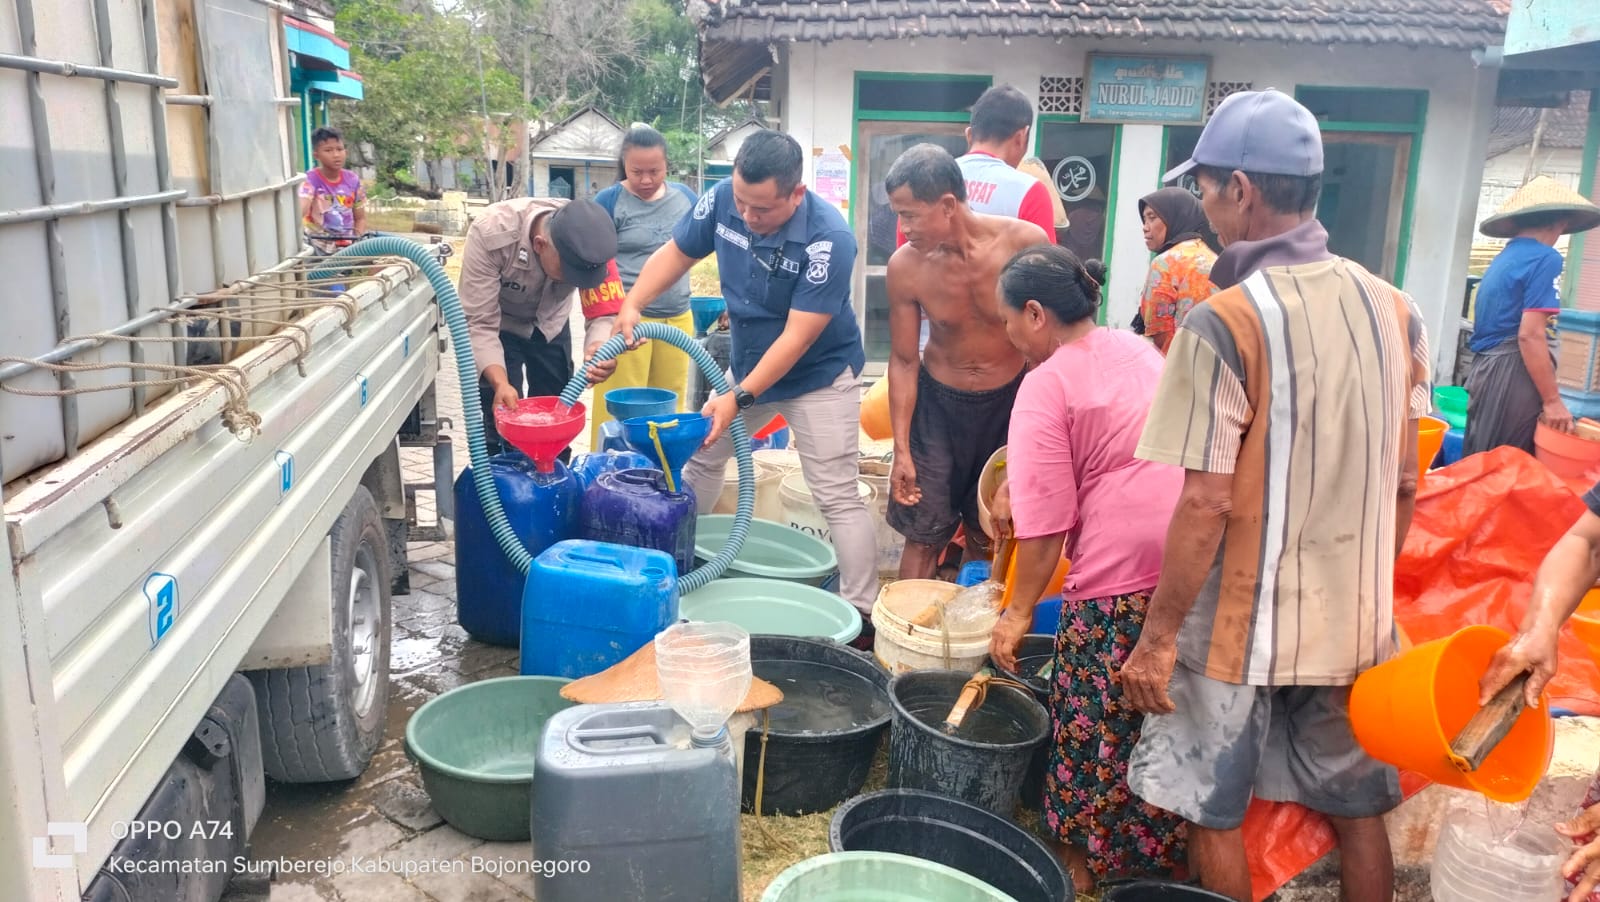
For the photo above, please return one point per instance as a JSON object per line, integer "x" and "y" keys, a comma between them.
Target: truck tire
{"x": 324, "y": 723}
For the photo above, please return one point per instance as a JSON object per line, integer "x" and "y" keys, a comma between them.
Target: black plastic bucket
{"x": 1157, "y": 891}
{"x": 1033, "y": 653}
{"x": 809, "y": 771}
{"x": 986, "y": 769}
{"x": 953, "y": 833}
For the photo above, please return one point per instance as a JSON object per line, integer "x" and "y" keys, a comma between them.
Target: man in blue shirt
{"x": 785, "y": 258}
{"x": 1512, "y": 383}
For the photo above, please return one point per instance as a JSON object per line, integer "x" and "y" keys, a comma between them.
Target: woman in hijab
{"x": 1180, "y": 275}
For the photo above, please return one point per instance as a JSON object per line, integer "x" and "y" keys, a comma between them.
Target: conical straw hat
{"x": 1542, "y": 195}
{"x": 634, "y": 680}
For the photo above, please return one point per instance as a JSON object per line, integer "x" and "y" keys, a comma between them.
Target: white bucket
{"x": 783, "y": 460}
{"x": 800, "y": 509}
{"x": 891, "y": 544}
{"x": 902, "y": 646}
{"x": 768, "y": 504}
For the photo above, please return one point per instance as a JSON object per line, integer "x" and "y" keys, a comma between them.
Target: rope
{"x": 243, "y": 422}
{"x": 979, "y": 684}
{"x": 655, "y": 439}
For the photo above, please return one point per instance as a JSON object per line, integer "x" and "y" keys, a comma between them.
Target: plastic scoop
{"x": 668, "y": 439}
{"x": 541, "y": 428}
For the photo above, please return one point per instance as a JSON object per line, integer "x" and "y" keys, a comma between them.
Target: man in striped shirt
{"x": 1291, "y": 400}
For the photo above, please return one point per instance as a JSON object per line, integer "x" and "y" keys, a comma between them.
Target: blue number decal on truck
{"x": 161, "y": 592}
{"x": 361, "y": 382}
{"x": 285, "y": 472}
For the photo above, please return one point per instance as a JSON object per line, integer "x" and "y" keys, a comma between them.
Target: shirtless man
{"x": 951, "y": 413}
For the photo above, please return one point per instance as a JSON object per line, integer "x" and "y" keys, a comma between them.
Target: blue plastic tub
{"x": 588, "y": 605}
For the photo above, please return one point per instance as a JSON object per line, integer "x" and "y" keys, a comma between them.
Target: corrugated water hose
{"x": 472, "y": 412}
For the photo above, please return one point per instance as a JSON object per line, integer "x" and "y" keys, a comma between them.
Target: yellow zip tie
{"x": 661, "y": 453}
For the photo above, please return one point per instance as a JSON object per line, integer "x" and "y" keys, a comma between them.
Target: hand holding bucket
{"x": 1410, "y": 710}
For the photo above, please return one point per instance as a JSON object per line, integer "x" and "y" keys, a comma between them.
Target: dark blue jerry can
{"x": 634, "y": 507}
{"x": 542, "y": 509}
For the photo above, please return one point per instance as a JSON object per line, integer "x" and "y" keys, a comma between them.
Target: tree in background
{"x": 419, "y": 95}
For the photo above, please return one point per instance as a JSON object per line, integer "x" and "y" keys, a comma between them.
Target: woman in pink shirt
{"x": 1075, "y": 488}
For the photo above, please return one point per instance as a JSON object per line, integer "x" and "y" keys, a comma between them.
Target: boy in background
{"x": 332, "y": 201}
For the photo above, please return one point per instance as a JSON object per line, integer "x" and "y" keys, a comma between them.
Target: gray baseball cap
{"x": 1266, "y": 132}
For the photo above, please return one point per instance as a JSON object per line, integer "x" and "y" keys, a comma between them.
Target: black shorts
{"x": 953, "y": 434}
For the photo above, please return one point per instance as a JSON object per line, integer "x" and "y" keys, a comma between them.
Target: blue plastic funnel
{"x": 671, "y": 443}
{"x": 627, "y": 403}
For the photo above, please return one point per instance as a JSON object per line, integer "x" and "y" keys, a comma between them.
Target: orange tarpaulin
{"x": 1481, "y": 528}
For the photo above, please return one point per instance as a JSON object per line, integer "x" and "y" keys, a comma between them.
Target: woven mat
{"x": 634, "y": 680}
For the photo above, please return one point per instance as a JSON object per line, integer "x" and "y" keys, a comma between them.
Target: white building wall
{"x": 818, "y": 111}
{"x": 1502, "y": 175}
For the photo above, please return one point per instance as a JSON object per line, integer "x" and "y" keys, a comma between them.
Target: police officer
{"x": 523, "y": 260}
{"x": 785, "y": 257}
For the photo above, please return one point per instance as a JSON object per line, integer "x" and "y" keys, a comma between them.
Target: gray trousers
{"x": 826, "y": 425}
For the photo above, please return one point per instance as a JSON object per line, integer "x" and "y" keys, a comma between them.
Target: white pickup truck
{"x": 199, "y": 449}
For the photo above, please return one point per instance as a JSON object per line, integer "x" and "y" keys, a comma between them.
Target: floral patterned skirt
{"x": 1087, "y": 803}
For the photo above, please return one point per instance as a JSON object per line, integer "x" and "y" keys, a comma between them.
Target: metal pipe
{"x": 51, "y": 212}
{"x": 78, "y": 346}
{"x": 158, "y": 120}
{"x": 214, "y": 200}
{"x": 143, "y": 321}
{"x": 55, "y": 251}
{"x": 207, "y": 100}
{"x": 37, "y": 66}
{"x": 119, "y": 181}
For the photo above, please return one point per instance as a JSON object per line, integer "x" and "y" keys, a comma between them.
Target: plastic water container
{"x": 588, "y": 467}
{"x": 542, "y": 509}
{"x": 622, "y": 788}
{"x": 704, "y": 671}
{"x": 633, "y": 507}
{"x": 1046, "y": 614}
{"x": 588, "y": 605}
{"x": 1477, "y": 861}
{"x": 800, "y": 509}
{"x": 611, "y": 437}
{"x": 768, "y": 506}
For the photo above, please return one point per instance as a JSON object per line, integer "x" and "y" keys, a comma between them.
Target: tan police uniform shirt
{"x": 504, "y": 288}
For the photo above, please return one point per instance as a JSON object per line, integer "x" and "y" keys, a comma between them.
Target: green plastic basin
{"x": 476, "y": 745}
{"x": 877, "y": 877}
{"x": 1452, "y": 403}
{"x": 771, "y": 550}
{"x": 774, "y": 607}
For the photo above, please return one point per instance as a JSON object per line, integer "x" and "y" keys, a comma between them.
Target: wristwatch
{"x": 744, "y": 399}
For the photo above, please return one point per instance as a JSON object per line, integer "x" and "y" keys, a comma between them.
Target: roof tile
{"x": 1452, "y": 24}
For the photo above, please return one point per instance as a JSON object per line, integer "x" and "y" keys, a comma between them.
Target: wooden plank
{"x": 1490, "y": 725}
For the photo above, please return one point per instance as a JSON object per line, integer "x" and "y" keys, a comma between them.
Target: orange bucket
{"x": 1052, "y": 589}
{"x": 1406, "y": 710}
{"x": 1430, "y": 438}
{"x": 875, "y": 412}
{"x": 1586, "y": 622}
{"x": 1568, "y": 456}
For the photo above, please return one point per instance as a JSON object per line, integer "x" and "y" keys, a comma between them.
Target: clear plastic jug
{"x": 1476, "y": 860}
{"x": 704, "y": 670}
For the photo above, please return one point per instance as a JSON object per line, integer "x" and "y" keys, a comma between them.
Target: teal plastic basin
{"x": 771, "y": 550}
{"x": 1452, "y": 403}
{"x": 879, "y": 877}
{"x": 774, "y": 607}
{"x": 476, "y": 745}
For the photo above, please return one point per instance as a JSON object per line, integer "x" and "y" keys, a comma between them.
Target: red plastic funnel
{"x": 541, "y": 428}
